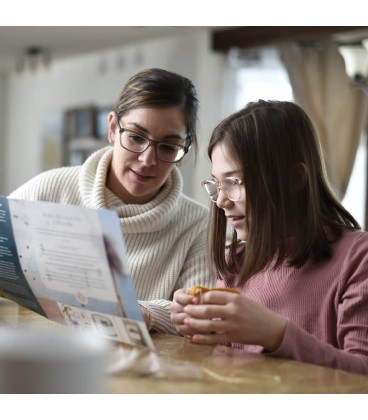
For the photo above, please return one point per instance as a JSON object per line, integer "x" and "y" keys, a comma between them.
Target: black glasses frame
{"x": 154, "y": 143}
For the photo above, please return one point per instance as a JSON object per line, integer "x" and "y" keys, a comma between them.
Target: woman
{"x": 298, "y": 258}
{"x": 150, "y": 132}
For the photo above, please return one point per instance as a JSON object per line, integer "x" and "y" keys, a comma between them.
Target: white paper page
{"x": 66, "y": 244}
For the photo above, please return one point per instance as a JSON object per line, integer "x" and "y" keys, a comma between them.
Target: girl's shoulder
{"x": 352, "y": 236}
{"x": 352, "y": 243}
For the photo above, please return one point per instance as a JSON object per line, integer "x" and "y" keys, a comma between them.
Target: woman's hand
{"x": 146, "y": 316}
{"x": 181, "y": 299}
{"x": 223, "y": 317}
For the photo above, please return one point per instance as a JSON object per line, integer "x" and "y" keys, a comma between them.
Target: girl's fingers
{"x": 206, "y": 326}
{"x": 210, "y": 339}
{"x": 217, "y": 297}
{"x": 184, "y": 330}
{"x": 206, "y": 311}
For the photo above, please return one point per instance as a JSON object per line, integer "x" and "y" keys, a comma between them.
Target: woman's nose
{"x": 148, "y": 157}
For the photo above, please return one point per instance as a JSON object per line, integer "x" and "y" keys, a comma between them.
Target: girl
{"x": 298, "y": 258}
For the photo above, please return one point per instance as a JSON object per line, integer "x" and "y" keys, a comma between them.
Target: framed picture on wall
{"x": 101, "y": 121}
{"x": 80, "y": 134}
{"x": 52, "y": 139}
{"x": 81, "y": 122}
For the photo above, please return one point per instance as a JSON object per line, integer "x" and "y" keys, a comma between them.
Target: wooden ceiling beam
{"x": 255, "y": 36}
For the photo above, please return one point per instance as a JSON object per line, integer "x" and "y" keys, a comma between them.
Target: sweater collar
{"x": 134, "y": 218}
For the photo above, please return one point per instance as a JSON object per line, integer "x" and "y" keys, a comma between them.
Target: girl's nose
{"x": 222, "y": 200}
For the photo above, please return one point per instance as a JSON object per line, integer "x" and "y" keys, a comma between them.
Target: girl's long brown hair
{"x": 287, "y": 218}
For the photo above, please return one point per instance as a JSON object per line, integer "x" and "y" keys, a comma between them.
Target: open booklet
{"x": 68, "y": 264}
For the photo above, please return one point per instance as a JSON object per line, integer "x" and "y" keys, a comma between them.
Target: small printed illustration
{"x": 75, "y": 317}
{"x": 134, "y": 332}
{"x": 104, "y": 325}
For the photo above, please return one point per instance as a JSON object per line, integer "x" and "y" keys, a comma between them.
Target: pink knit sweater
{"x": 326, "y": 305}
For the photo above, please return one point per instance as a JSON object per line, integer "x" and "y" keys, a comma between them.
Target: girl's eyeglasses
{"x": 232, "y": 187}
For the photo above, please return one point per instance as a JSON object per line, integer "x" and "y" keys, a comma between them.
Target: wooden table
{"x": 187, "y": 368}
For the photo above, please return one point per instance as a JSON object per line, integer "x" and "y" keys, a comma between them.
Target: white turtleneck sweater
{"x": 165, "y": 238}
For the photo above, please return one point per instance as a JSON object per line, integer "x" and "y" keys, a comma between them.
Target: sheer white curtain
{"x": 321, "y": 86}
{"x": 254, "y": 74}
{"x": 235, "y": 61}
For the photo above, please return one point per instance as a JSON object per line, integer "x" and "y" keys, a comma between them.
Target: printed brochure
{"x": 68, "y": 264}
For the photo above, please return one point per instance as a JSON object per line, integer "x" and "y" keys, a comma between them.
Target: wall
{"x": 2, "y": 133}
{"x": 97, "y": 79}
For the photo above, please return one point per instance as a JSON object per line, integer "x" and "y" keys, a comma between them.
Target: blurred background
{"x": 58, "y": 83}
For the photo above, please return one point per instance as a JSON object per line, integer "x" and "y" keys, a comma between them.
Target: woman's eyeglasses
{"x": 167, "y": 152}
{"x": 232, "y": 187}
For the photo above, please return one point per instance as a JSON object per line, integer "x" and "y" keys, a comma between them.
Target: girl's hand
{"x": 181, "y": 299}
{"x": 223, "y": 317}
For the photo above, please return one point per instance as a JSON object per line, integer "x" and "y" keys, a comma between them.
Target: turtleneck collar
{"x": 148, "y": 217}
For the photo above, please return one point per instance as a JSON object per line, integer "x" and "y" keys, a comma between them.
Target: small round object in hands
{"x": 197, "y": 290}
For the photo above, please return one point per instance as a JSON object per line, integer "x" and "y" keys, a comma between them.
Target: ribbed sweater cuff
{"x": 159, "y": 317}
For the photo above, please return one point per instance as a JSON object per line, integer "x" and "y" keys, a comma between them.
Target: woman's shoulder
{"x": 193, "y": 207}
{"x": 47, "y": 185}
{"x": 60, "y": 172}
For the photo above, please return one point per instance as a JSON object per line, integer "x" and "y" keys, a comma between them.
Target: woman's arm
{"x": 194, "y": 271}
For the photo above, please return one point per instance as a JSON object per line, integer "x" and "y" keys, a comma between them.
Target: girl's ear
{"x": 111, "y": 133}
{"x": 300, "y": 177}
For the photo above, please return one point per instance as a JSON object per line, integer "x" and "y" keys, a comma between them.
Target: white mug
{"x": 51, "y": 361}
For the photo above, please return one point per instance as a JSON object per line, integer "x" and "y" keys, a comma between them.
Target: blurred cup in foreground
{"x": 43, "y": 361}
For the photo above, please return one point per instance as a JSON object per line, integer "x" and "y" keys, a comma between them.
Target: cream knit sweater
{"x": 165, "y": 238}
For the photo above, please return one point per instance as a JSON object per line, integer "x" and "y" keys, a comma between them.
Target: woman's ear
{"x": 111, "y": 133}
{"x": 300, "y": 177}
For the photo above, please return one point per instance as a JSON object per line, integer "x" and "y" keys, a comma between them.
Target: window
{"x": 354, "y": 199}
{"x": 261, "y": 75}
